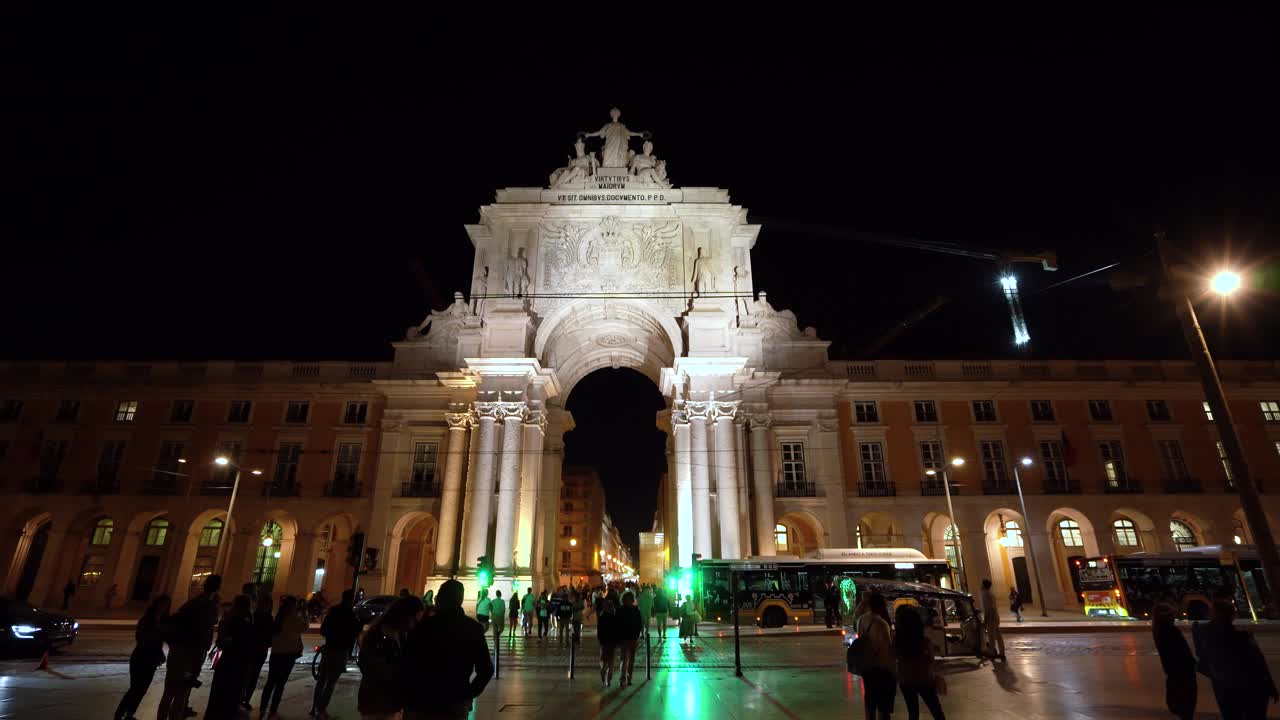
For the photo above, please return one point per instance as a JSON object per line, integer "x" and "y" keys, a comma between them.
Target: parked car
{"x": 371, "y": 608}
{"x": 24, "y": 628}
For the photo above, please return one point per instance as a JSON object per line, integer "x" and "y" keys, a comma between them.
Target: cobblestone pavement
{"x": 1053, "y": 676}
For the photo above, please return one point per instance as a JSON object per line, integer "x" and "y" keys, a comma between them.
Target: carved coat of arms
{"x": 611, "y": 257}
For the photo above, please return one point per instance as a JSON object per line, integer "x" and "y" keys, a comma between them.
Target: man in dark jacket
{"x": 440, "y": 658}
{"x": 339, "y": 629}
{"x": 191, "y": 634}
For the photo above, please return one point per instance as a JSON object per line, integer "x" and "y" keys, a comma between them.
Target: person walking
{"x": 381, "y": 693}
{"x": 991, "y": 620}
{"x": 339, "y": 629}
{"x": 542, "y": 608}
{"x": 527, "y": 606}
{"x": 67, "y": 591}
{"x": 915, "y": 664}
{"x": 263, "y": 629}
{"x": 563, "y": 613}
{"x": 644, "y": 604}
{"x": 445, "y": 664}
{"x": 484, "y": 608}
{"x": 286, "y": 648}
{"x": 1015, "y": 603}
{"x": 513, "y": 613}
{"x": 1242, "y": 683}
{"x": 660, "y": 609}
{"x": 1179, "y": 664}
{"x": 498, "y": 612}
{"x": 190, "y": 635}
{"x": 630, "y": 625}
{"x": 607, "y": 634}
{"x": 428, "y": 599}
{"x": 236, "y": 645}
{"x": 689, "y": 620}
{"x": 875, "y": 662}
{"x": 147, "y": 655}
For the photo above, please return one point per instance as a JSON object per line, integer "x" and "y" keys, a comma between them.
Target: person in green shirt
{"x": 526, "y": 611}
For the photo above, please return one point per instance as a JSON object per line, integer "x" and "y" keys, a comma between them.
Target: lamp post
{"x": 222, "y": 461}
{"x": 1225, "y": 283}
{"x": 951, "y": 515}
{"x": 1031, "y": 547}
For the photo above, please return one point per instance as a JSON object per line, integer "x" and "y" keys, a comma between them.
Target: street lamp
{"x": 573, "y": 542}
{"x": 1224, "y": 283}
{"x": 222, "y": 461}
{"x": 951, "y": 515}
{"x": 1031, "y": 546}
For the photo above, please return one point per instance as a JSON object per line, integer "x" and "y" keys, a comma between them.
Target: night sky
{"x": 270, "y": 190}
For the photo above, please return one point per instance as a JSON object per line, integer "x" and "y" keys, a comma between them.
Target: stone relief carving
{"x": 610, "y": 256}
{"x": 612, "y": 340}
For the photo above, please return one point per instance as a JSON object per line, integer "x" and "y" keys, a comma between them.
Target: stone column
{"x": 743, "y": 483}
{"x": 46, "y": 590}
{"x": 481, "y": 490}
{"x": 698, "y": 412}
{"x": 513, "y": 415}
{"x": 303, "y": 572}
{"x": 977, "y": 564}
{"x": 1053, "y": 599}
{"x": 726, "y": 457}
{"x": 451, "y": 490}
{"x": 762, "y": 480}
{"x": 684, "y": 489}
{"x": 535, "y": 429}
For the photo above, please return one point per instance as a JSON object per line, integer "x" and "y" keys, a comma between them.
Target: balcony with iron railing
{"x": 425, "y": 487}
{"x": 795, "y": 490}
{"x": 881, "y": 488}
{"x": 41, "y": 484}
{"x": 160, "y": 485}
{"x": 101, "y": 485}
{"x": 343, "y": 489}
{"x": 282, "y": 487}
{"x": 1123, "y": 485}
{"x": 1183, "y": 484}
{"x": 932, "y": 487}
{"x": 216, "y": 486}
{"x": 998, "y": 486}
{"x": 1061, "y": 486}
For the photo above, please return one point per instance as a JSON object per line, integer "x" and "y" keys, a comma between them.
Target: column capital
{"x": 499, "y": 409}
{"x": 760, "y": 420}
{"x": 536, "y": 418}
{"x": 724, "y": 409}
{"x": 679, "y": 416}
{"x": 457, "y": 420}
{"x": 699, "y": 409}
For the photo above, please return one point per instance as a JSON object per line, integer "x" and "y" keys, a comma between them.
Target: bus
{"x": 1129, "y": 586}
{"x": 1243, "y": 562}
{"x": 782, "y": 590}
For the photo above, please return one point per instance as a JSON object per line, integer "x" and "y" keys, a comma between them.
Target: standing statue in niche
{"x": 616, "y": 138}
{"x": 517, "y": 274}
{"x": 741, "y": 298}
{"x": 579, "y": 168}
{"x": 480, "y": 287}
{"x": 649, "y": 169}
{"x": 703, "y": 275}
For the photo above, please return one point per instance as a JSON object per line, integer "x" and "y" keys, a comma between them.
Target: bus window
{"x": 764, "y": 581}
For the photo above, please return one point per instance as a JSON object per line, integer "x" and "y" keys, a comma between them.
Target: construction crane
{"x": 1004, "y": 260}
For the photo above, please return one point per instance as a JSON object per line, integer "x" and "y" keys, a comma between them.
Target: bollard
{"x": 497, "y": 655}
{"x": 737, "y": 649}
{"x": 573, "y": 653}
{"x": 648, "y": 658}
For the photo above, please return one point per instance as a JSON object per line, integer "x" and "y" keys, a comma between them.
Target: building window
{"x": 951, "y": 545}
{"x": 286, "y": 473}
{"x": 239, "y": 411}
{"x": 181, "y": 411}
{"x": 567, "y": 507}
{"x": 109, "y": 462}
{"x": 126, "y": 410}
{"x": 780, "y": 537}
{"x": 424, "y": 463}
{"x": 926, "y": 411}
{"x": 268, "y": 559}
{"x": 994, "y": 471}
{"x": 1238, "y": 534}
{"x": 157, "y": 531}
{"x": 872, "y": 454}
{"x": 1208, "y": 411}
{"x": 51, "y": 456}
{"x": 566, "y": 531}
{"x": 102, "y": 532}
{"x": 91, "y": 570}
{"x": 1012, "y": 533}
{"x": 1042, "y": 411}
{"x": 931, "y": 456}
{"x": 166, "y": 471}
{"x": 984, "y": 411}
{"x": 793, "y": 464}
{"x": 1183, "y": 536}
{"x": 68, "y": 411}
{"x": 865, "y": 411}
{"x": 1224, "y": 461}
{"x": 10, "y": 410}
{"x": 201, "y": 569}
{"x": 1270, "y": 410}
{"x": 1126, "y": 532}
{"x": 1055, "y": 470}
{"x": 565, "y": 557}
{"x": 297, "y": 411}
{"x": 356, "y": 413}
{"x": 1070, "y": 532}
{"x": 1175, "y": 465}
{"x": 1112, "y": 462}
{"x": 222, "y": 477}
{"x": 211, "y": 533}
{"x": 347, "y": 468}
{"x": 1100, "y": 411}
{"x": 1158, "y": 411}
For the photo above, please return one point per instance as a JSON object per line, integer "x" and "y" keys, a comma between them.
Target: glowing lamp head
{"x": 957, "y": 461}
{"x": 1238, "y": 539}
{"x": 182, "y": 460}
{"x": 1026, "y": 462}
{"x": 221, "y": 461}
{"x": 255, "y": 472}
{"x": 573, "y": 542}
{"x": 267, "y": 542}
{"x": 931, "y": 472}
{"x": 1009, "y": 282}
{"x": 1225, "y": 282}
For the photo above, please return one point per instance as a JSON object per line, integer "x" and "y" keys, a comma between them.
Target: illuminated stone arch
{"x": 411, "y": 556}
{"x": 1071, "y": 537}
{"x": 804, "y": 532}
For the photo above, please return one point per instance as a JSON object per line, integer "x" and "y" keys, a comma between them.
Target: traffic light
{"x": 355, "y": 549}
{"x": 370, "y": 558}
{"x": 484, "y": 571}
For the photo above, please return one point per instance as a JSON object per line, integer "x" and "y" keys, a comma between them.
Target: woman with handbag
{"x": 915, "y": 664}
{"x": 146, "y": 657}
